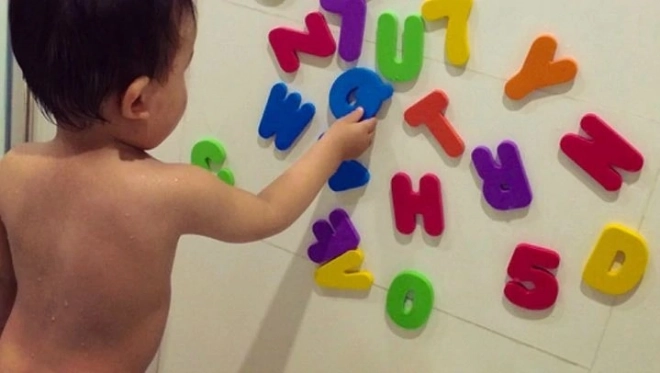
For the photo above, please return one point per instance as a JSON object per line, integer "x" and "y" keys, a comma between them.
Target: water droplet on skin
{"x": 39, "y": 279}
{"x": 66, "y": 303}
{"x": 52, "y": 318}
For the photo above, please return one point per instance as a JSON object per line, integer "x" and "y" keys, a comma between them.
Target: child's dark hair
{"x": 75, "y": 53}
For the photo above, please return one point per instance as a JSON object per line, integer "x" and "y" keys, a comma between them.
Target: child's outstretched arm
{"x": 7, "y": 279}
{"x": 211, "y": 208}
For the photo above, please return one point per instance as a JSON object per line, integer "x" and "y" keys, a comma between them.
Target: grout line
{"x": 451, "y": 315}
{"x": 517, "y": 341}
{"x": 639, "y": 227}
{"x": 273, "y": 245}
{"x": 602, "y": 337}
{"x": 648, "y": 200}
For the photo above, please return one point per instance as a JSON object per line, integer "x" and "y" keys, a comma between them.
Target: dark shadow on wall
{"x": 271, "y": 3}
{"x": 272, "y": 345}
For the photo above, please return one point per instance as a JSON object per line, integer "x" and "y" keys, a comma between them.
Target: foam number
{"x": 600, "y": 272}
{"x": 284, "y": 117}
{"x": 210, "y": 151}
{"x": 505, "y": 184}
{"x": 458, "y": 12}
{"x": 358, "y": 87}
{"x": 409, "y": 66}
{"x": 344, "y": 273}
{"x": 353, "y": 19}
{"x": 407, "y": 204}
{"x": 540, "y": 69}
{"x": 410, "y": 300}
{"x": 602, "y": 152}
{"x": 287, "y": 43}
{"x": 532, "y": 264}
{"x": 429, "y": 111}
{"x": 334, "y": 237}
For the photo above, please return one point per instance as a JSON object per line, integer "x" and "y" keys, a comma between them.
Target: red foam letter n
{"x": 407, "y": 204}
{"x": 602, "y": 152}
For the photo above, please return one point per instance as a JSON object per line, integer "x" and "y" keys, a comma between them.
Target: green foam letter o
{"x": 412, "y": 285}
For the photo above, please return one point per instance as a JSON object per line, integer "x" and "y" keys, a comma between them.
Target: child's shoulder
{"x": 16, "y": 157}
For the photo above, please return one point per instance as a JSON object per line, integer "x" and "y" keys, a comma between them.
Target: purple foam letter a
{"x": 353, "y": 19}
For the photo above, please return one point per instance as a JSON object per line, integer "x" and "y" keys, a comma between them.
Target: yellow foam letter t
{"x": 599, "y": 272}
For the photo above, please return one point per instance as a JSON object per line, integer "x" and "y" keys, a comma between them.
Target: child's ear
{"x": 134, "y": 101}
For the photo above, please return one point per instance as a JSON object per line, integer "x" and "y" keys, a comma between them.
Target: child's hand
{"x": 351, "y": 136}
{"x": 213, "y": 209}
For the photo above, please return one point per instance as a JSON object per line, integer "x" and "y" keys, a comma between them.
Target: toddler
{"x": 90, "y": 221}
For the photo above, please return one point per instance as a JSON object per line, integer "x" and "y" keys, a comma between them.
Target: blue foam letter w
{"x": 284, "y": 117}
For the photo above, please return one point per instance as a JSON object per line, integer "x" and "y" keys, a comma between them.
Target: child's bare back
{"x": 90, "y": 222}
{"x": 92, "y": 249}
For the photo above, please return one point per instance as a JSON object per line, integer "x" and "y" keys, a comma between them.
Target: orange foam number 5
{"x": 531, "y": 264}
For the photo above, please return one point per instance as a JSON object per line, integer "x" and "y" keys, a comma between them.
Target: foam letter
{"x": 344, "y": 273}
{"x": 334, "y": 237}
{"x": 430, "y": 112}
{"x": 209, "y": 151}
{"x": 531, "y": 264}
{"x": 353, "y": 19}
{"x": 365, "y": 86}
{"x": 540, "y": 70}
{"x": 287, "y": 42}
{"x": 602, "y": 152}
{"x": 350, "y": 175}
{"x": 427, "y": 202}
{"x": 505, "y": 182}
{"x": 414, "y": 287}
{"x": 284, "y": 117}
{"x": 599, "y": 272}
{"x": 456, "y": 40}
{"x": 409, "y": 66}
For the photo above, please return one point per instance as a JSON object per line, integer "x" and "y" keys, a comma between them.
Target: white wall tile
{"x": 468, "y": 264}
{"x": 629, "y": 342}
{"x": 253, "y": 308}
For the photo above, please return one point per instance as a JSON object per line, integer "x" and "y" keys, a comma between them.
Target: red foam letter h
{"x": 408, "y": 204}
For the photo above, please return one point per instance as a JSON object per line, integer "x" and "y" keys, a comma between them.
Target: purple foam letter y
{"x": 353, "y": 18}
